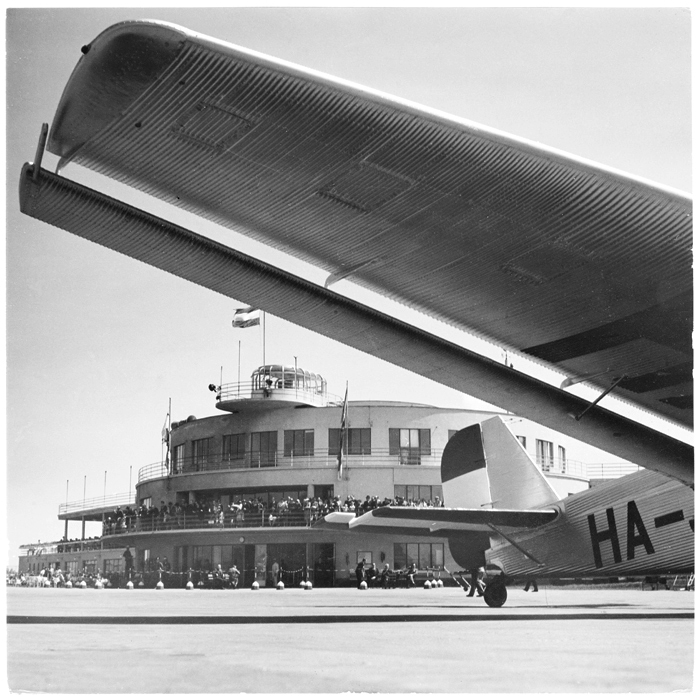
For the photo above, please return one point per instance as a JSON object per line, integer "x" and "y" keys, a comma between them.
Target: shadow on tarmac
{"x": 486, "y": 616}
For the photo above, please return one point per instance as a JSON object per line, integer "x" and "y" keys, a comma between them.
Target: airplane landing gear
{"x": 495, "y": 593}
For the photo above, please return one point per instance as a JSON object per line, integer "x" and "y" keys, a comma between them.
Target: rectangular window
{"x": 263, "y": 449}
{"x": 147, "y": 501}
{"x": 90, "y": 566}
{"x": 113, "y": 566}
{"x": 409, "y": 443}
{"x": 562, "y": 458}
{"x": 358, "y": 439}
{"x": 72, "y": 567}
{"x": 202, "y": 557}
{"x": 364, "y": 555}
{"x": 298, "y": 443}
{"x": 201, "y": 451}
{"x": 544, "y": 454}
{"x": 233, "y": 447}
{"x": 523, "y": 441}
{"x": 423, "y": 555}
{"x": 178, "y": 459}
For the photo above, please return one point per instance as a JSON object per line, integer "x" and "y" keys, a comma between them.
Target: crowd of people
{"x": 50, "y": 577}
{"x": 256, "y": 512}
{"x": 77, "y": 545}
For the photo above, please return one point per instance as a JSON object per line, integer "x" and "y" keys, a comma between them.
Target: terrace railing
{"x": 376, "y": 458}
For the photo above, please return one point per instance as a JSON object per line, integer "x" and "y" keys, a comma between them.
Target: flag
{"x": 244, "y": 318}
{"x": 165, "y": 434}
{"x": 343, "y": 438}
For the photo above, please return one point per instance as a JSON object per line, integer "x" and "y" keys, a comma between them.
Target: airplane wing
{"x": 432, "y": 521}
{"x": 571, "y": 263}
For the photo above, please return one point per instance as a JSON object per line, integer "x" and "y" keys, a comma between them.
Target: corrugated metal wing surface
{"x": 538, "y": 251}
{"x": 123, "y": 228}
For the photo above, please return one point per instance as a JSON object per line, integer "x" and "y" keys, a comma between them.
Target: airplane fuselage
{"x": 640, "y": 524}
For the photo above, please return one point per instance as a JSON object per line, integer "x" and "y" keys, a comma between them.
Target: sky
{"x": 99, "y": 344}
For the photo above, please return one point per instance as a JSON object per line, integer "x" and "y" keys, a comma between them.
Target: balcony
{"x": 377, "y": 459}
{"x": 275, "y": 386}
{"x": 94, "y": 508}
{"x": 280, "y": 460}
{"x": 207, "y": 521}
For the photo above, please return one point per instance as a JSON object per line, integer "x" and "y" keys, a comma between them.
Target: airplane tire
{"x": 495, "y": 594}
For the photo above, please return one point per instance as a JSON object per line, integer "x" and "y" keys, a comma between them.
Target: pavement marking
{"x": 321, "y": 619}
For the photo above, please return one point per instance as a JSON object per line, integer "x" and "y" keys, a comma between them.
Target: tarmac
{"x": 344, "y": 640}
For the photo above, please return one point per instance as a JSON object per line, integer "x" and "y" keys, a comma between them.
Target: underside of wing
{"x": 569, "y": 262}
{"x": 437, "y": 521}
{"x": 123, "y": 228}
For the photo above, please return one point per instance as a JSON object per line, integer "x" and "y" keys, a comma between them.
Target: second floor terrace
{"x": 379, "y": 458}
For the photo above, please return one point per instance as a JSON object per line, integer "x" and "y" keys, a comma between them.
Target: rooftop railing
{"x": 315, "y": 396}
{"x": 107, "y": 501}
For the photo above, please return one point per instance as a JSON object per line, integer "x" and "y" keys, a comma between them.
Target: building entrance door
{"x": 324, "y": 565}
{"x": 291, "y": 559}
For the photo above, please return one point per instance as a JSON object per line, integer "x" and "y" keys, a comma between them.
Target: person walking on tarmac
{"x": 359, "y": 571}
{"x": 531, "y": 582}
{"x": 477, "y": 584}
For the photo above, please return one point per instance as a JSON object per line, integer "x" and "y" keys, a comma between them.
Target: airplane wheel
{"x": 495, "y": 595}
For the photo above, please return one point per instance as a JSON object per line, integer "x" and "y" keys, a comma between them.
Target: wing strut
{"x": 515, "y": 545}
{"x": 600, "y": 397}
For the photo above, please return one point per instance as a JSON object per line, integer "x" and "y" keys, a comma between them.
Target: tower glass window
{"x": 409, "y": 443}
{"x": 201, "y": 451}
{"x": 358, "y": 441}
{"x": 263, "y": 449}
{"x": 298, "y": 443}
{"x": 544, "y": 454}
{"x": 233, "y": 447}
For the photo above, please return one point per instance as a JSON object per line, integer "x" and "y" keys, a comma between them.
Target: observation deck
{"x": 275, "y": 386}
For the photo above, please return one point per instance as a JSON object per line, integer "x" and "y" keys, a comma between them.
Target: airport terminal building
{"x": 245, "y": 486}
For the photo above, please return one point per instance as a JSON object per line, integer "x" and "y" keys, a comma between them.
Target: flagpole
{"x": 169, "y": 423}
{"x": 239, "y": 369}
{"x": 264, "y": 332}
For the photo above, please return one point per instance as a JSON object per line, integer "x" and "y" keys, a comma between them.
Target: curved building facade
{"x": 244, "y": 487}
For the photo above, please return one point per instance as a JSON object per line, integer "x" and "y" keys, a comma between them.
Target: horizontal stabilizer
{"x": 431, "y": 520}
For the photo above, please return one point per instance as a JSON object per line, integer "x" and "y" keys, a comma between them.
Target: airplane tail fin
{"x": 485, "y": 466}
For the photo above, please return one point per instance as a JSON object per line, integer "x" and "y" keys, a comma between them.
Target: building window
{"x": 432, "y": 495}
{"x": 263, "y": 449}
{"x": 423, "y": 555}
{"x": 90, "y": 566}
{"x": 178, "y": 459}
{"x": 358, "y": 439}
{"x": 113, "y": 566}
{"x": 202, "y": 557}
{"x": 201, "y": 451}
{"x": 562, "y": 458}
{"x": 298, "y": 442}
{"x": 364, "y": 555}
{"x": 522, "y": 441}
{"x": 147, "y": 501}
{"x": 410, "y": 443}
{"x": 233, "y": 447}
{"x": 72, "y": 567}
{"x": 544, "y": 454}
